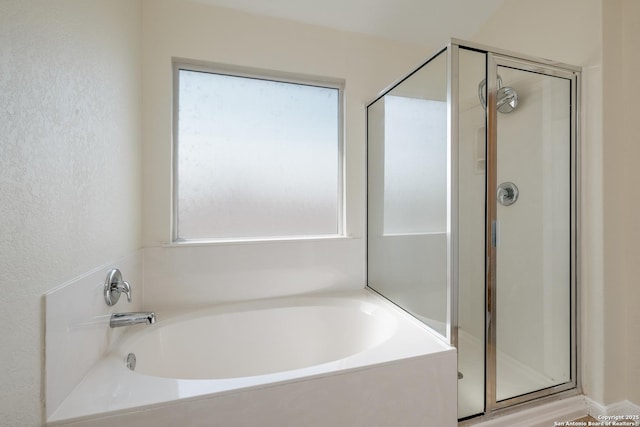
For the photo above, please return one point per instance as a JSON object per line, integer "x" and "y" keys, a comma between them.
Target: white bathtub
{"x": 341, "y": 360}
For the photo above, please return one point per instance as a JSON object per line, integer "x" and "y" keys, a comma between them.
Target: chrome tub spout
{"x": 126, "y": 319}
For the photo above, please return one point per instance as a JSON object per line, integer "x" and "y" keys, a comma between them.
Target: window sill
{"x": 251, "y": 241}
{"x": 416, "y": 234}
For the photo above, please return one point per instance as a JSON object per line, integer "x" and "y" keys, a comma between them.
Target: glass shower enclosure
{"x": 472, "y": 182}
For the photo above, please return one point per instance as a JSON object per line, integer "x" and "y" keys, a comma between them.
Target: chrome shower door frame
{"x": 573, "y": 75}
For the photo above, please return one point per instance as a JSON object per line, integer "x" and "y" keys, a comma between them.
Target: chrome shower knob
{"x": 114, "y": 286}
{"x": 508, "y": 193}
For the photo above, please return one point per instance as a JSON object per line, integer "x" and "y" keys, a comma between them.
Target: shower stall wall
{"x": 472, "y": 216}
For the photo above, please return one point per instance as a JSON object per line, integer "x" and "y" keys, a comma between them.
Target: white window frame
{"x": 268, "y": 75}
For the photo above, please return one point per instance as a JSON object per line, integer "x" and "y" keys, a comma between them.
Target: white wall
{"x": 566, "y": 31}
{"x": 69, "y": 167}
{"x": 620, "y": 94}
{"x": 184, "y": 29}
{"x": 613, "y": 371}
{"x": 631, "y": 153}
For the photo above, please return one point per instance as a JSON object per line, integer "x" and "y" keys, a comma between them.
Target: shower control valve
{"x": 507, "y": 193}
{"x": 114, "y": 286}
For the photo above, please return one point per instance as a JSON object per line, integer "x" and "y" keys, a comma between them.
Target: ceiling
{"x": 428, "y": 22}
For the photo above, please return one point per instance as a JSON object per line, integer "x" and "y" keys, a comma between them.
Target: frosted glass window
{"x": 256, "y": 158}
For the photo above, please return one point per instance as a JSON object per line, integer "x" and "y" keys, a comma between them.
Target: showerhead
{"x": 507, "y": 97}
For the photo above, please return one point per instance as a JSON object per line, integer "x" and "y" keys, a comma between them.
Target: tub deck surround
{"x": 220, "y": 273}
{"x": 77, "y": 333}
{"x": 350, "y": 353}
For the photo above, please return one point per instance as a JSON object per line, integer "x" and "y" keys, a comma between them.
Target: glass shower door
{"x": 530, "y": 227}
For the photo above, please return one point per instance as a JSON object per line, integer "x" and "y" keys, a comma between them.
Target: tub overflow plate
{"x": 131, "y": 361}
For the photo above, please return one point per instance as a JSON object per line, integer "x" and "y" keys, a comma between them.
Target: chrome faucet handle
{"x": 125, "y": 288}
{"x": 114, "y": 286}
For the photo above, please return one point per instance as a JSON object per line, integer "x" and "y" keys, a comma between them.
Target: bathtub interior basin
{"x": 259, "y": 341}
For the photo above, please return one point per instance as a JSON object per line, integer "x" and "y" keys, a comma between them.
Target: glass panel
{"x": 533, "y": 234}
{"x": 415, "y": 173}
{"x": 256, "y": 158}
{"x": 407, "y": 189}
{"x": 471, "y": 212}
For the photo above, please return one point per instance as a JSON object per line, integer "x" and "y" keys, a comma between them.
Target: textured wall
{"x": 69, "y": 166}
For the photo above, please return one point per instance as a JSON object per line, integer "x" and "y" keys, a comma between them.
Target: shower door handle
{"x": 495, "y": 238}
{"x": 495, "y": 233}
